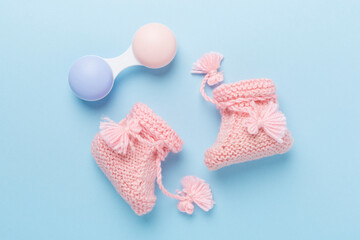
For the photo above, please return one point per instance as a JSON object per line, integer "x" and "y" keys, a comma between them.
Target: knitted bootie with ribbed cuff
{"x": 130, "y": 154}
{"x": 252, "y": 126}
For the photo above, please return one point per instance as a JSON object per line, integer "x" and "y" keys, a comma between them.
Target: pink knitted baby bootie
{"x": 252, "y": 126}
{"x": 130, "y": 154}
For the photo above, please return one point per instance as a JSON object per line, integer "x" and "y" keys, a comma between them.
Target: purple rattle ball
{"x": 91, "y": 78}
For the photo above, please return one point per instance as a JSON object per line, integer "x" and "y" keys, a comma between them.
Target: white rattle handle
{"x": 125, "y": 60}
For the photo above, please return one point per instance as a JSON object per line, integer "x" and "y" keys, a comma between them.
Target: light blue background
{"x": 50, "y": 186}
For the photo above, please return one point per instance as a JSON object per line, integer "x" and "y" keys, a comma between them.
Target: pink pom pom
{"x": 195, "y": 191}
{"x": 186, "y": 206}
{"x": 209, "y": 64}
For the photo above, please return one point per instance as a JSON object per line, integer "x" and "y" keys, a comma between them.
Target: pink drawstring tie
{"x": 195, "y": 190}
{"x": 209, "y": 64}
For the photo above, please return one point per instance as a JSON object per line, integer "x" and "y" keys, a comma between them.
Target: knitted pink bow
{"x": 270, "y": 119}
{"x": 119, "y": 135}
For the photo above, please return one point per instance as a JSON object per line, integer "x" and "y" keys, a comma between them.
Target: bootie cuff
{"x": 248, "y": 90}
{"x": 156, "y": 127}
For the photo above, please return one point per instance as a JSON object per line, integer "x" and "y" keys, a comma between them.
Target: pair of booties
{"x": 130, "y": 152}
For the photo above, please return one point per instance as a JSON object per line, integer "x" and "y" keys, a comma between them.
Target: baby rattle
{"x": 91, "y": 77}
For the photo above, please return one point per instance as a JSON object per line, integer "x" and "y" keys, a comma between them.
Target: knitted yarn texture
{"x": 130, "y": 154}
{"x": 252, "y": 126}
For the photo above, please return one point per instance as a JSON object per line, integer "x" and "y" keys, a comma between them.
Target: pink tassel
{"x": 270, "y": 119}
{"x": 195, "y": 191}
{"x": 119, "y": 136}
{"x": 209, "y": 64}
